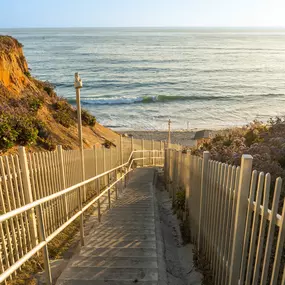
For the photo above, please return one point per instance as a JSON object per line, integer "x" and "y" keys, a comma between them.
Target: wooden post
{"x": 206, "y": 157}
{"x": 78, "y": 86}
{"x": 104, "y": 166}
{"x": 62, "y": 177}
{"x": 168, "y": 141}
{"x": 166, "y": 162}
{"x": 28, "y": 194}
{"x": 152, "y": 148}
{"x": 161, "y": 152}
{"x": 132, "y": 143}
{"x": 142, "y": 152}
{"x": 240, "y": 218}
{"x": 121, "y": 150}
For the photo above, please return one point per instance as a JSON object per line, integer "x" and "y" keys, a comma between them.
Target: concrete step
{"x": 121, "y": 223}
{"x": 118, "y": 216}
{"x": 111, "y": 231}
{"x": 103, "y": 282}
{"x": 121, "y": 250}
{"x": 116, "y": 226}
{"x": 110, "y": 274}
{"x": 115, "y": 262}
{"x": 118, "y": 252}
{"x": 113, "y": 243}
{"x": 124, "y": 236}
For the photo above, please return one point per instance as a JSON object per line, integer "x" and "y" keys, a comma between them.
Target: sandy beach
{"x": 178, "y": 137}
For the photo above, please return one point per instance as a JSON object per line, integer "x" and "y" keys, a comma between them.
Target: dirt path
{"x": 178, "y": 256}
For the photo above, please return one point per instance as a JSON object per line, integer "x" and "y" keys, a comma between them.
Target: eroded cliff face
{"x": 14, "y": 72}
{"x": 32, "y": 114}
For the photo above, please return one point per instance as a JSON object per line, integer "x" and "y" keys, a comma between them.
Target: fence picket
{"x": 248, "y": 226}
{"x": 279, "y": 248}
{"x": 271, "y": 230}
{"x": 18, "y": 246}
{"x": 252, "y": 245}
{"x": 223, "y": 225}
{"x": 262, "y": 227}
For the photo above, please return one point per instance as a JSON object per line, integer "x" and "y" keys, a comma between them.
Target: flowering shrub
{"x": 265, "y": 142}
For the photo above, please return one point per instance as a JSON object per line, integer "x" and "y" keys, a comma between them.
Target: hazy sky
{"x": 131, "y": 13}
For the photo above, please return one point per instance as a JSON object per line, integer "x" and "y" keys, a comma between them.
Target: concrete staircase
{"x": 122, "y": 250}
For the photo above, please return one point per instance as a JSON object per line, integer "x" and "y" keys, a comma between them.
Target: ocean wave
{"x": 146, "y": 99}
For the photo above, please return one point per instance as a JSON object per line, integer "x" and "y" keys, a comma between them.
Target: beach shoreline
{"x": 177, "y": 137}
{"x": 183, "y": 137}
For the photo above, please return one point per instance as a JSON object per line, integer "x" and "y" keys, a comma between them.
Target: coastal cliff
{"x": 32, "y": 114}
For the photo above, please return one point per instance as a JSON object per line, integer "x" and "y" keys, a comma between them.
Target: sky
{"x": 142, "y": 13}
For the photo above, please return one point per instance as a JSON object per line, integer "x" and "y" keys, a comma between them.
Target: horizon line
{"x": 150, "y": 27}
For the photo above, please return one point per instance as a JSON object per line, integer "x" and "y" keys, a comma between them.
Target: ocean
{"x": 138, "y": 78}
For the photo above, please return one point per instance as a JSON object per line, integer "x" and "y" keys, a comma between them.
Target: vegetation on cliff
{"x": 31, "y": 113}
{"x": 265, "y": 142}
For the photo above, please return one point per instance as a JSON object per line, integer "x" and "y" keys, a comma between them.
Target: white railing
{"x": 28, "y": 178}
{"x": 32, "y": 218}
{"x": 230, "y": 221}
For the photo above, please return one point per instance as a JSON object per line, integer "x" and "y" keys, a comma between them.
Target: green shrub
{"x": 27, "y": 132}
{"x": 35, "y": 103}
{"x": 17, "y": 129}
{"x": 42, "y": 129}
{"x": 64, "y": 113}
{"x": 87, "y": 118}
{"x": 8, "y": 135}
{"x": 46, "y": 143}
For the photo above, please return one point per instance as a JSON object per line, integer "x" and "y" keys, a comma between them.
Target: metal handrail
{"x": 38, "y": 206}
{"x": 29, "y": 206}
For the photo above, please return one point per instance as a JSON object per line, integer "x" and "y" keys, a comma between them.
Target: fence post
{"x": 166, "y": 163}
{"x": 45, "y": 248}
{"x": 142, "y": 152}
{"x": 160, "y": 153}
{"x": 206, "y": 157}
{"x": 28, "y": 194}
{"x": 152, "y": 147}
{"x": 169, "y": 163}
{"x": 104, "y": 167}
{"x": 240, "y": 218}
{"x": 62, "y": 177}
{"x": 121, "y": 150}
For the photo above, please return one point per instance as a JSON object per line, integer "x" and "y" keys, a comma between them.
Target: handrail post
{"x": 204, "y": 176}
{"x": 240, "y": 218}
{"x": 28, "y": 194}
{"x": 142, "y": 152}
{"x": 42, "y": 236}
{"x": 62, "y": 177}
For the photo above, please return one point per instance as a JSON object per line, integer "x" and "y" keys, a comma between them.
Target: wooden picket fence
{"x": 28, "y": 178}
{"x": 227, "y": 207}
